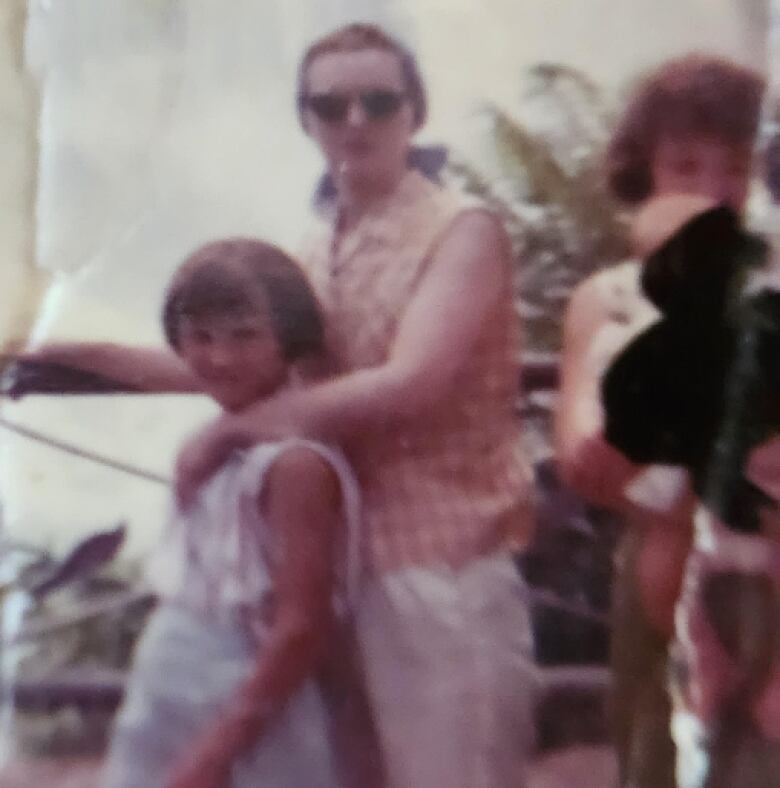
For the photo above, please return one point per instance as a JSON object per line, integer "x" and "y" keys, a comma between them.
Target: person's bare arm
{"x": 586, "y": 461}
{"x": 468, "y": 271}
{"x": 302, "y": 506}
{"x": 145, "y": 368}
{"x": 440, "y": 326}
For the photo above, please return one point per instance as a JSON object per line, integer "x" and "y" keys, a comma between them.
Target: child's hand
{"x": 661, "y": 217}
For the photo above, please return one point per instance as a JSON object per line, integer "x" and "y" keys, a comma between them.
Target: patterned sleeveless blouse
{"x": 453, "y": 484}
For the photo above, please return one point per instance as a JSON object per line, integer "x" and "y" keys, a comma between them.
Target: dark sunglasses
{"x": 333, "y": 107}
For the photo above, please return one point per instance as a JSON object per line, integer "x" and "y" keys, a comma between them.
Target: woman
{"x": 416, "y": 288}
{"x": 685, "y": 142}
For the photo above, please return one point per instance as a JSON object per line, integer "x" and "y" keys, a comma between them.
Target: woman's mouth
{"x": 358, "y": 147}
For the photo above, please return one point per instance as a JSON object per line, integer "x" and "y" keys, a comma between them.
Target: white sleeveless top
{"x": 216, "y": 557}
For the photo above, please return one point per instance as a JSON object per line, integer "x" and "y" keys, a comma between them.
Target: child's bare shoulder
{"x": 308, "y": 471}
{"x": 303, "y": 458}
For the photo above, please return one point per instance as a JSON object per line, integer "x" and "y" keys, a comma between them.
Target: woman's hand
{"x": 202, "y": 455}
{"x": 599, "y": 472}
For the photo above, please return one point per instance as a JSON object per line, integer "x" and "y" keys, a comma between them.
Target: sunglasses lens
{"x": 333, "y": 107}
{"x": 329, "y": 107}
{"x": 381, "y": 103}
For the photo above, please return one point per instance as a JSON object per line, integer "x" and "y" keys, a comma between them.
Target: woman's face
{"x": 702, "y": 165}
{"x": 356, "y": 108}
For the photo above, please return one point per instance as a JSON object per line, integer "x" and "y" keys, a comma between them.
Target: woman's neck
{"x": 356, "y": 198}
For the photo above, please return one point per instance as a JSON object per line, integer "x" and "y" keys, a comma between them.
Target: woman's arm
{"x": 145, "y": 368}
{"x": 590, "y": 465}
{"x": 440, "y": 326}
{"x": 302, "y": 506}
{"x": 469, "y": 270}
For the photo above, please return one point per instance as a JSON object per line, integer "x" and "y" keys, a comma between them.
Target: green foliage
{"x": 551, "y": 193}
{"x": 77, "y": 621}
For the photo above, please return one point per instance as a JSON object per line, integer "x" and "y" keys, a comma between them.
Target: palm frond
{"x": 527, "y": 156}
{"x": 547, "y": 75}
{"x": 551, "y": 193}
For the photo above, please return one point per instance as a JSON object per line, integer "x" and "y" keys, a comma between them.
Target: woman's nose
{"x": 356, "y": 115}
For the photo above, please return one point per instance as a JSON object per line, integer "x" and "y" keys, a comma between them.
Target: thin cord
{"x": 69, "y": 448}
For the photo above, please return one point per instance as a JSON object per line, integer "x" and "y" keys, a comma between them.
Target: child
{"x": 222, "y": 693}
{"x": 689, "y": 129}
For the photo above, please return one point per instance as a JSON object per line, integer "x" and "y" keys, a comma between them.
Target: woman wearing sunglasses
{"x": 416, "y": 287}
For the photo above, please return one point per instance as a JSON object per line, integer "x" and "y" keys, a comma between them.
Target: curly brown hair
{"x": 236, "y": 276}
{"x": 695, "y": 94}
{"x": 355, "y": 38}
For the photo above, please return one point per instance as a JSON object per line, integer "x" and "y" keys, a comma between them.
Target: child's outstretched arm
{"x": 302, "y": 506}
{"x": 148, "y": 369}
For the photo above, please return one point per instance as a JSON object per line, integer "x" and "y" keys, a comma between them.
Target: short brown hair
{"x": 355, "y": 38}
{"x": 697, "y": 93}
{"x": 234, "y": 276}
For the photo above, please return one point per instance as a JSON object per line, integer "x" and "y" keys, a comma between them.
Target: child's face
{"x": 236, "y": 358}
{"x": 702, "y": 165}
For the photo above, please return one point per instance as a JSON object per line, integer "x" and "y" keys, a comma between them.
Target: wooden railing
{"x": 21, "y": 378}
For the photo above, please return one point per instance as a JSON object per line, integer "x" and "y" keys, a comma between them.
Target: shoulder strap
{"x": 253, "y": 473}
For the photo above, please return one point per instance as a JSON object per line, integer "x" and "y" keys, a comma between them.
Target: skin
{"x": 144, "y": 368}
{"x": 702, "y": 165}
{"x": 237, "y": 360}
{"x": 689, "y": 173}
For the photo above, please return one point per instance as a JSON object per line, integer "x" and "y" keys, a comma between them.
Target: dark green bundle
{"x": 701, "y": 386}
